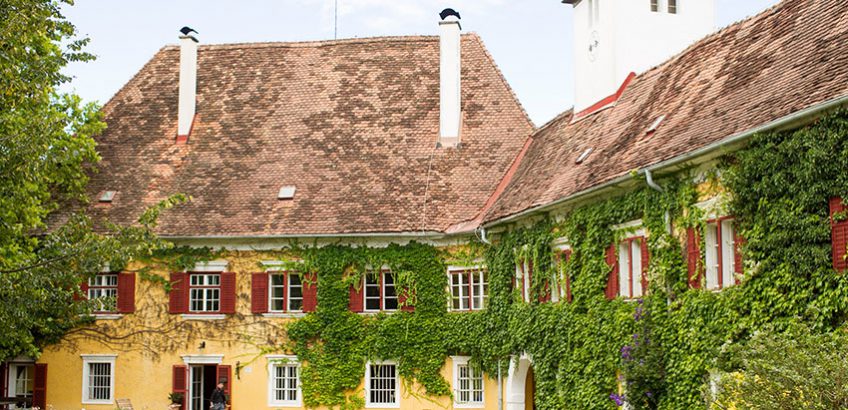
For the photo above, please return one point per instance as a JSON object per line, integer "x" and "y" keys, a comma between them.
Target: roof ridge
{"x": 316, "y": 43}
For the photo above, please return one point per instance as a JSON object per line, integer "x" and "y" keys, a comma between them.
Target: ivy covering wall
{"x": 658, "y": 351}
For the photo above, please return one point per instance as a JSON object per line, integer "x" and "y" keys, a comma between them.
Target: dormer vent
{"x": 656, "y": 124}
{"x": 106, "y": 196}
{"x": 584, "y": 155}
{"x": 286, "y": 193}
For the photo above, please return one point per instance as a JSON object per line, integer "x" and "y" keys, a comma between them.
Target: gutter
{"x": 797, "y": 116}
{"x": 429, "y": 235}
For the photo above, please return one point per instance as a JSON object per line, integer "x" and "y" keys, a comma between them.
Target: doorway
{"x": 530, "y": 390}
{"x": 202, "y": 380}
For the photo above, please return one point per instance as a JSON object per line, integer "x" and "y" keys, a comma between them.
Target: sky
{"x": 531, "y": 40}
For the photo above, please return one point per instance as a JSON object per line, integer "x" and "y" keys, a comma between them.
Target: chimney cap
{"x": 186, "y": 31}
{"x": 449, "y": 12}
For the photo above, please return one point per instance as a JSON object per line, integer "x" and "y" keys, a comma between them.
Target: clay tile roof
{"x": 352, "y": 124}
{"x": 788, "y": 58}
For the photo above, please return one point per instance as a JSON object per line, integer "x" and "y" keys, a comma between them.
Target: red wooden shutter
{"x": 839, "y": 234}
{"x": 228, "y": 292}
{"x": 126, "y": 292}
{"x": 402, "y": 297}
{"x": 4, "y": 384}
{"x": 39, "y": 386}
{"x": 646, "y": 260}
{"x": 355, "y": 303}
{"x": 259, "y": 293}
{"x": 178, "y": 379}
{"x": 693, "y": 258}
{"x": 738, "y": 241}
{"x": 178, "y": 298}
{"x": 612, "y": 281}
{"x": 225, "y": 376}
{"x": 310, "y": 292}
{"x": 83, "y": 295}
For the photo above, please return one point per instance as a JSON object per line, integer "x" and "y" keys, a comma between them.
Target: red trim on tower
{"x": 606, "y": 102}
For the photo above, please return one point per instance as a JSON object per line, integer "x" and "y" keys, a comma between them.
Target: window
{"x": 205, "y": 292}
{"x": 21, "y": 377}
{"x": 630, "y": 267}
{"x": 672, "y": 6}
{"x": 655, "y": 5}
{"x": 286, "y": 292}
{"x": 103, "y": 290}
{"x": 524, "y": 279}
{"x": 98, "y": 379}
{"x": 284, "y": 381}
{"x": 469, "y": 288}
{"x": 467, "y": 383}
{"x": 720, "y": 253}
{"x": 561, "y": 284}
{"x": 381, "y": 385}
{"x": 380, "y": 292}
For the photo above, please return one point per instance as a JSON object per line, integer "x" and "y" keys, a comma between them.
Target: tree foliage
{"x": 46, "y": 152}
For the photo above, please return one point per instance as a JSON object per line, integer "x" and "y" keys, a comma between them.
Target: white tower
{"x": 616, "y": 37}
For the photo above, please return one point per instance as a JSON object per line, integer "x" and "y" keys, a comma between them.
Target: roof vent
{"x": 656, "y": 124}
{"x": 106, "y": 196}
{"x": 584, "y": 155}
{"x": 286, "y": 192}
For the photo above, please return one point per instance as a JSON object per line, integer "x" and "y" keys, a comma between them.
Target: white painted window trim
{"x": 632, "y": 229}
{"x": 383, "y": 271}
{"x": 284, "y": 315}
{"x": 202, "y": 359}
{"x": 203, "y": 316}
{"x": 88, "y": 359}
{"x": 484, "y": 296}
{"x": 463, "y": 361}
{"x": 558, "y": 291}
{"x": 211, "y": 266}
{"x": 282, "y": 360}
{"x": 368, "y": 404}
{"x": 107, "y": 316}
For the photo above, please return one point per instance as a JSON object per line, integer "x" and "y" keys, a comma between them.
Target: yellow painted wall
{"x": 150, "y": 341}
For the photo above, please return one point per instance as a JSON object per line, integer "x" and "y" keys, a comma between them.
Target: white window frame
{"x": 87, "y": 361}
{"x": 99, "y": 290}
{"x": 459, "y": 361}
{"x": 558, "y": 291}
{"x": 205, "y": 287}
{"x": 287, "y": 286}
{"x": 481, "y": 286}
{"x": 382, "y": 288}
{"x": 719, "y": 253}
{"x": 368, "y": 403}
{"x": 12, "y": 380}
{"x": 522, "y": 276}
{"x": 275, "y": 361}
{"x": 630, "y": 260}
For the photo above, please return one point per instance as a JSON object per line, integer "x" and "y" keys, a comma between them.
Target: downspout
{"x": 650, "y": 179}
{"x": 500, "y": 386}
{"x": 482, "y": 230}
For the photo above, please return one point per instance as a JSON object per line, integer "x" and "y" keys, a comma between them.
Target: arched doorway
{"x": 530, "y": 390}
{"x": 520, "y": 385}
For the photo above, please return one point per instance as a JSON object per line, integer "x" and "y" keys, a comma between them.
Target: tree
{"x": 46, "y": 153}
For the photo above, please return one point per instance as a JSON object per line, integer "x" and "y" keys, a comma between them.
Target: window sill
{"x": 284, "y": 315}
{"x": 382, "y": 406}
{"x": 107, "y": 316}
{"x": 294, "y": 404}
{"x": 203, "y": 316}
{"x": 377, "y": 312}
{"x": 98, "y": 402}
{"x": 469, "y": 405}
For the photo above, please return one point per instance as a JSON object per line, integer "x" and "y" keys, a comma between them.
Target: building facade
{"x": 376, "y": 149}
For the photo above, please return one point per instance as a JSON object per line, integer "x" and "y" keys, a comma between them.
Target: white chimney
{"x": 450, "y": 116}
{"x": 188, "y": 83}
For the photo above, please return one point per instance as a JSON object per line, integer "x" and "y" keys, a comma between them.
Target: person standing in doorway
{"x": 219, "y": 398}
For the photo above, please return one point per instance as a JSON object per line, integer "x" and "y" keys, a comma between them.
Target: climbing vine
{"x": 593, "y": 353}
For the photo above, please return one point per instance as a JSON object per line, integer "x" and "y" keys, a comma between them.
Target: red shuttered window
{"x": 111, "y": 292}
{"x": 380, "y": 292}
{"x": 203, "y": 292}
{"x": 612, "y": 279}
{"x": 39, "y": 386}
{"x": 284, "y": 292}
{"x": 632, "y": 267}
{"x": 839, "y": 233}
{"x": 722, "y": 260}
